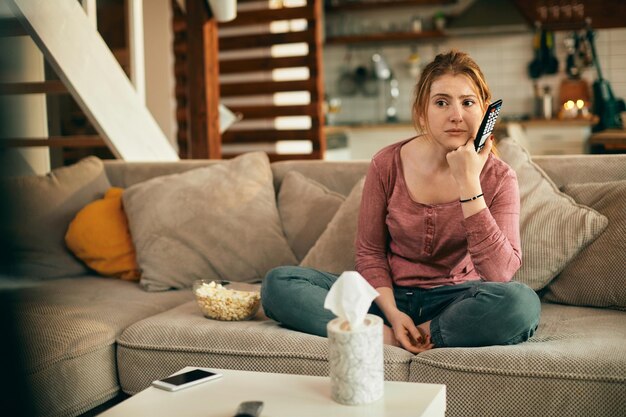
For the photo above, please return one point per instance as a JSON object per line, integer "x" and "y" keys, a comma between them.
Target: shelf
{"x": 558, "y": 122}
{"x": 385, "y": 37}
{"x": 378, "y": 4}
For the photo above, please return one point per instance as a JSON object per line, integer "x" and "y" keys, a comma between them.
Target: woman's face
{"x": 454, "y": 111}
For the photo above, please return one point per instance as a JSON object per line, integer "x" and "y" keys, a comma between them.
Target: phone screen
{"x": 187, "y": 377}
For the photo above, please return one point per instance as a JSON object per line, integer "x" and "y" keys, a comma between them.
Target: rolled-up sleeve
{"x": 493, "y": 234}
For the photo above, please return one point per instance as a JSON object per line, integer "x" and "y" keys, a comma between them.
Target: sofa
{"x": 88, "y": 338}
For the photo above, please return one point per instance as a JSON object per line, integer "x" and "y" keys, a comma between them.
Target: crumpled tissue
{"x": 355, "y": 342}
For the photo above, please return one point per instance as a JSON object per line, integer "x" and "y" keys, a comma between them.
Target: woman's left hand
{"x": 466, "y": 164}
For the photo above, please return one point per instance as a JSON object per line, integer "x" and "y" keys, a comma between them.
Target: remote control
{"x": 249, "y": 409}
{"x": 487, "y": 125}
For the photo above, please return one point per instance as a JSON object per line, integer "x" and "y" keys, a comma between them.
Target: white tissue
{"x": 350, "y": 298}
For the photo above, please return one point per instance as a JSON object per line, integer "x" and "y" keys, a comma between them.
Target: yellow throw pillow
{"x": 100, "y": 237}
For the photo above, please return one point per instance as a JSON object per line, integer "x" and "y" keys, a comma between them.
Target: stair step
{"x": 42, "y": 87}
{"x": 82, "y": 141}
{"x": 11, "y": 27}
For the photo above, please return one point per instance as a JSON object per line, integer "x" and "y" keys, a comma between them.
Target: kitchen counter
{"x": 367, "y": 126}
{"x": 539, "y": 136}
{"x": 502, "y": 124}
{"x": 608, "y": 141}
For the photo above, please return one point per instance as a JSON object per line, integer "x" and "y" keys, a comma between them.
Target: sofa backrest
{"x": 340, "y": 176}
{"x": 572, "y": 169}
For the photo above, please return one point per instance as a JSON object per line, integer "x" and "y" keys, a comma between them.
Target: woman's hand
{"x": 466, "y": 164}
{"x": 408, "y": 334}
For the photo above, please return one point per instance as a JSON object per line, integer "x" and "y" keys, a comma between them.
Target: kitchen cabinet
{"x": 552, "y": 137}
{"x": 363, "y": 141}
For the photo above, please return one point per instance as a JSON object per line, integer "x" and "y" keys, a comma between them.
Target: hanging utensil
{"x": 346, "y": 84}
{"x": 571, "y": 69}
{"x": 551, "y": 64}
{"x": 535, "y": 67}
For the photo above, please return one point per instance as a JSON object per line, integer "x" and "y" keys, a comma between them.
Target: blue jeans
{"x": 475, "y": 313}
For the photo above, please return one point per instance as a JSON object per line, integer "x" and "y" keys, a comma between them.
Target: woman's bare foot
{"x": 417, "y": 346}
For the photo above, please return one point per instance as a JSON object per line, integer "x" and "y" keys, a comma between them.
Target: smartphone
{"x": 486, "y": 126}
{"x": 185, "y": 379}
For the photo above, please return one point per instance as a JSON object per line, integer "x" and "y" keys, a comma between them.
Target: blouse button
{"x": 430, "y": 211}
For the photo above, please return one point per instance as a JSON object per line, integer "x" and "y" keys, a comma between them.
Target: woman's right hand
{"x": 408, "y": 334}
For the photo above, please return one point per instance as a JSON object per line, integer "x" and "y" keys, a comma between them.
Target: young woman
{"x": 438, "y": 232}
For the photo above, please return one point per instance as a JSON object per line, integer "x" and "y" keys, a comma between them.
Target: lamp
{"x": 223, "y": 10}
{"x": 574, "y": 99}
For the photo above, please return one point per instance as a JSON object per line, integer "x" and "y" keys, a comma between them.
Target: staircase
{"x": 88, "y": 71}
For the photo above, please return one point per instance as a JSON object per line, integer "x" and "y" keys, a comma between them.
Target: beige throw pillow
{"x": 554, "y": 228}
{"x": 42, "y": 208}
{"x": 217, "y": 222}
{"x": 335, "y": 250}
{"x": 596, "y": 276}
{"x": 306, "y": 207}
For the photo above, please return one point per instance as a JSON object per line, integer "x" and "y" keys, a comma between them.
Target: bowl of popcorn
{"x": 220, "y": 303}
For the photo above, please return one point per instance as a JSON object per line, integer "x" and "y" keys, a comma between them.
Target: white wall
{"x": 503, "y": 59}
{"x": 22, "y": 116}
{"x": 159, "y": 65}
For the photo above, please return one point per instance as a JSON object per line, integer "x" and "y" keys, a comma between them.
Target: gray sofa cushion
{"x": 43, "y": 207}
{"x": 335, "y": 250}
{"x": 596, "y": 277}
{"x": 575, "y": 365}
{"x": 69, "y": 328}
{"x": 162, "y": 344}
{"x": 218, "y": 222}
{"x": 306, "y": 207}
{"x": 549, "y": 219}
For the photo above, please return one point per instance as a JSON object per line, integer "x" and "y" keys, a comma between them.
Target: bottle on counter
{"x": 547, "y": 103}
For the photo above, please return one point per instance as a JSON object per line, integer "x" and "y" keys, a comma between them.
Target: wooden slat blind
{"x": 245, "y": 46}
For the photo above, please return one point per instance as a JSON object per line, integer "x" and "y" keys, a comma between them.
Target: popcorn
{"x": 217, "y": 302}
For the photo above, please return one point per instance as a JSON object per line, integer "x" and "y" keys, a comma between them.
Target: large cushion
{"x": 42, "y": 208}
{"x": 306, "y": 207}
{"x": 596, "y": 277}
{"x": 162, "y": 344}
{"x": 553, "y": 227}
{"x": 69, "y": 327}
{"x": 218, "y": 222}
{"x": 100, "y": 237}
{"x": 574, "y": 365}
{"x": 335, "y": 251}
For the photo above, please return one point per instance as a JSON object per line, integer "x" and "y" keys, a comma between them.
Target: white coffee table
{"x": 282, "y": 395}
